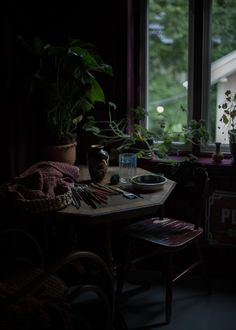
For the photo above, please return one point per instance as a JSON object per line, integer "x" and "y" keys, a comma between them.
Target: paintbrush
{"x": 86, "y": 197}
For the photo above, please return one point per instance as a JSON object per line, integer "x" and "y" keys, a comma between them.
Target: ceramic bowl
{"x": 148, "y": 182}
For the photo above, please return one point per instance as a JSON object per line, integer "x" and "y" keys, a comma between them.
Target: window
{"x": 167, "y": 95}
{"x": 190, "y": 61}
{"x": 223, "y": 62}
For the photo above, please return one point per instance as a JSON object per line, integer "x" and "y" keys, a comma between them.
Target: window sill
{"x": 222, "y": 175}
{"x": 226, "y": 162}
{"x": 155, "y": 164}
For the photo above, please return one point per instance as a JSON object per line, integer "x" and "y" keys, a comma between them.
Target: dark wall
{"x": 102, "y": 23}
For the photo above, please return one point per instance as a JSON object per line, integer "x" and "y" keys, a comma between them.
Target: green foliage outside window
{"x": 168, "y": 62}
{"x": 168, "y": 58}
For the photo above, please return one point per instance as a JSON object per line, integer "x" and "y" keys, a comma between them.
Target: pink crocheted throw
{"x": 44, "y": 180}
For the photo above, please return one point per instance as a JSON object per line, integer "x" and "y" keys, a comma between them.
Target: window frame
{"x": 198, "y": 65}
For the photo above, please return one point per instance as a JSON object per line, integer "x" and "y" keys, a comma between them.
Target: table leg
{"x": 108, "y": 251}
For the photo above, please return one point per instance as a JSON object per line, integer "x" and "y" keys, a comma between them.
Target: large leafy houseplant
{"x": 63, "y": 79}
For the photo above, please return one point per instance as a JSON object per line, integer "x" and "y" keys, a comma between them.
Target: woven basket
{"x": 24, "y": 274}
{"x": 45, "y": 204}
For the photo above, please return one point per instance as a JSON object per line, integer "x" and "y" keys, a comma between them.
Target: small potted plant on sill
{"x": 228, "y": 118}
{"x": 195, "y": 132}
{"x": 62, "y": 79}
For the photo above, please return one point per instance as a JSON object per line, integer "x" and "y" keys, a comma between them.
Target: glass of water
{"x": 127, "y": 166}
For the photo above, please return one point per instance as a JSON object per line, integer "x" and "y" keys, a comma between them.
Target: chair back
{"x": 189, "y": 197}
{"x": 18, "y": 245}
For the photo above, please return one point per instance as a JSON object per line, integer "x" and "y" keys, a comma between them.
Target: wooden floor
{"x": 193, "y": 308}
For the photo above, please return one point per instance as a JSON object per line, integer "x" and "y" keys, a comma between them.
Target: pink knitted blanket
{"x": 44, "y": 180}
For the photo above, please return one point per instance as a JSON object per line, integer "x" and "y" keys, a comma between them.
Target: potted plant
{"x": 139, "y": 139}
{"x": 119, "y": 137}
{"x": 195, "y": 132}
{"x": 62, "y": 79}
{"x": 228, "y": 106}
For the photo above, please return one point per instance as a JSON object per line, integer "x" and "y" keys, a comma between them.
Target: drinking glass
{"x": 127, "y": 166}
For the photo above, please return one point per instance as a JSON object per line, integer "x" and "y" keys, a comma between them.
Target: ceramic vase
{"x": 217, "y": 155}
{"x": 98, "y": 162}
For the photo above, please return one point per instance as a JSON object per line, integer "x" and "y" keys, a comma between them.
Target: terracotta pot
{"x": 61, "y": 153}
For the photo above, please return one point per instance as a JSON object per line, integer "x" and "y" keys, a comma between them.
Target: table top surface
{"x": 117, "y": 207}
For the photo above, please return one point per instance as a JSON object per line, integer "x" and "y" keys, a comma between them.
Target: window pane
{"x": 223, "y": 62}
{"x": 168, "y": 64}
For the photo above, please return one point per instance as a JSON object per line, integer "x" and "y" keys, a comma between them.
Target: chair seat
{"x": 170, "y": 233}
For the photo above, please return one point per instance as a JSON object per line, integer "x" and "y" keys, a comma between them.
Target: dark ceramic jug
{"x": 98, "y": 161}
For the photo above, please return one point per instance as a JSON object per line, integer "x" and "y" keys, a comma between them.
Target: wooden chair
{"x": 73, "y": 292}
{"x": 180, "y": 229}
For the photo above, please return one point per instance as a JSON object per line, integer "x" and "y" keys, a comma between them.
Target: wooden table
{"x": 118, "y": 208}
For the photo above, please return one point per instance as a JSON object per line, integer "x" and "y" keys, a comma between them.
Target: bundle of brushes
{"x": 92, "y": 194}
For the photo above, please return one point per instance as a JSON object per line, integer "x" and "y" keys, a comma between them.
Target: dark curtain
{"x": 11, "y": 144}
{"x": 136, "y": 52}
{"x": 102, "y": 23}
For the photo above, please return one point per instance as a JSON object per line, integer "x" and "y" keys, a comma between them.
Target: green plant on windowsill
{"x": 196, "y": 132}
{"x": 228, "y": 118}
{"x": 119, "y": 137}
{"x": 229, "y": 110}
{"x": 61, "y": 78}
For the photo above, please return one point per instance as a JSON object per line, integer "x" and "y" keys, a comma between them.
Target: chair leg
{"x": 169, "y": 287}
{"x": 124, "y": 269}
{"x": 203, "y": 266}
